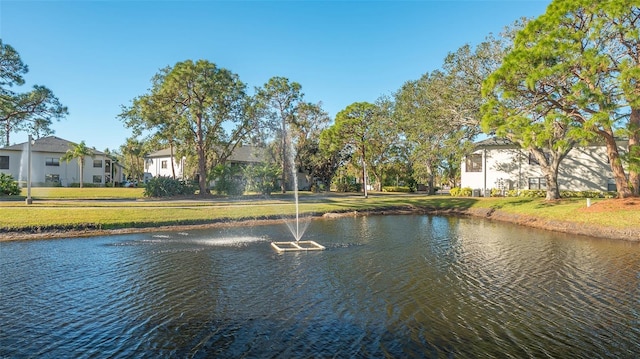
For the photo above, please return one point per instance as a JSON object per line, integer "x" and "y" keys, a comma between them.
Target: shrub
{"x": 168, "y": 187}
{"x": 405, "y": 189}
{"x": 466, "y": 192}
{"x": 348, "y": 187}
{"x": 262, "y": 178}
{"x": 461, "y": 192}
{"x": 512, "y": 193}
{"x": 228, "y": 180}
{"x": 533, "y": 193}
{"x": 8, "y": 186}
{"x": 84, "y": 184}
{"x": 497, "y": 192}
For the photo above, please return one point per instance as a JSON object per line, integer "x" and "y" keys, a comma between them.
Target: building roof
{"x": 248, "y": 154}
{"x": 166, "y": 152}
{"x": 51, "y": 144}
{"x": 495, "y": 142}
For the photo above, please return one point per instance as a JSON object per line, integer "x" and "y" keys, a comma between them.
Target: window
{"x": 474, "y": 163}
{"x": 4, "y": 162}
{"x": 51, "y": 178}
{"x": 97, "y": 163}
{"x": 537, "y": 183}
{"x": 163, "y": 164}
{"x": 611, "y": 185}
{"x": 51, "y": 161}
{"x": 97, "y": 179}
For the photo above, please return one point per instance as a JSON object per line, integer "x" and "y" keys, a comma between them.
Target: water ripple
{"x": 408, "y": 286}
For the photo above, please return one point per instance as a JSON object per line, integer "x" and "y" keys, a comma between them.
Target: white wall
{"x": 584, "y": 169}
{"x": 68, "y": 172}
{"x": 154, "y": 166}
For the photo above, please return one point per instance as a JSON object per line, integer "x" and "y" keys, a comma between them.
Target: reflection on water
{"x": 387, "y": 286}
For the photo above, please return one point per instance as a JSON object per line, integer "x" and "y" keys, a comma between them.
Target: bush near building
{"x": 8, "y": 186}
{"x": 168, "y": 187}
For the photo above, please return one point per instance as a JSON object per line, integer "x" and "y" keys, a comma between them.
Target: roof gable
{"x": 495, "y": 142}
{"x": 50, "y": 144}
{"x": 246, "y": 153}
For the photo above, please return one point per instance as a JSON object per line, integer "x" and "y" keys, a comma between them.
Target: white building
{"x": 48, "y": 170}
{"x": 159, "y": 163}
{"x": 500, "y": 164}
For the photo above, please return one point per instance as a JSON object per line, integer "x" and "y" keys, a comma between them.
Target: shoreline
{"x": 582, "y": 229}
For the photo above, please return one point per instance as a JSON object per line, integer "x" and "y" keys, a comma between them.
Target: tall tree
{"x": 32, "y": 111}
{"x": 425, "y": 122}
{"x": 281, "y": 99}
{"x": 144, "y": 116}
{"x": 353, "y": 130}
{"x": 311, "y": 121}
{"x": 133, "y": 152}
{"x": 518, "y": 110}
{"x": 11, "y": 68}
{"x": 78, "y": 151}
{"x": 583, "y": 60}
{"x": 383, "y": 140}
{"x": 205, "y": 105}
{"x": 459, "y": 97}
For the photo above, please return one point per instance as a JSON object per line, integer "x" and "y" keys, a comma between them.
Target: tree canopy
{"x": 203, "y": 103}
{"x": 78, "y": 151}
{"x": 32, "y": 111}
{"x": 574, "y": 75}
{"x": 280, "y": 100}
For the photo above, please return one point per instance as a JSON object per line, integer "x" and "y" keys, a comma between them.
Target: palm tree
{"x": 78, "y": 151}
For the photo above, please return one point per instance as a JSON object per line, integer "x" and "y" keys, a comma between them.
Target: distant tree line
{"x": 569, "y": 77}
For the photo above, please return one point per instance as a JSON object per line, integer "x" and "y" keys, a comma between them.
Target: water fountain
{"x": 295, "y": 227}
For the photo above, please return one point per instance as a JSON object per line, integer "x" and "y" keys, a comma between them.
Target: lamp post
{"x": 29, "y": 200}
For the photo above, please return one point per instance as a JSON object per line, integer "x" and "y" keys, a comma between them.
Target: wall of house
{"x": 584, "y": 169}
{"x": 46, "y": 166}
{"x": 16, "y": 164}
{"x": 154, "y": 166}
{"x": 502, "y": 168}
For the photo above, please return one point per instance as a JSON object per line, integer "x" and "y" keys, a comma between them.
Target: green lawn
{"x": 84, "y": 193}
{"x": 109, "y": 208}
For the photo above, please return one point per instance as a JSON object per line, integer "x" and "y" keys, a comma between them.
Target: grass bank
{"x": 61, "y": 212}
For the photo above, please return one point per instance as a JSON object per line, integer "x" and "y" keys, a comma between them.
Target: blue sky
{"x": 98, "y": 55}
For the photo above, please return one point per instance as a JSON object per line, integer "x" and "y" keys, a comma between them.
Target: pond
{"x": 386, "y": 286}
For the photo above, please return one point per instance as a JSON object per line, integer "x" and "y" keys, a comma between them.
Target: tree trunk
{"x": 549, "y": 167}
{"x": 202, "y": 160}
{"x": 6, "y": 130}
{"x": 81, "y": 165}
{"x": 634, "y": 151}
{"x": 616, "y": 165}
{"x": 364, "y": 174}
{"x": 173, "y": 167}
{"x": 553, "y": 190}
{"x": 283, "y": 178}
{"x": 431, "y": 180}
